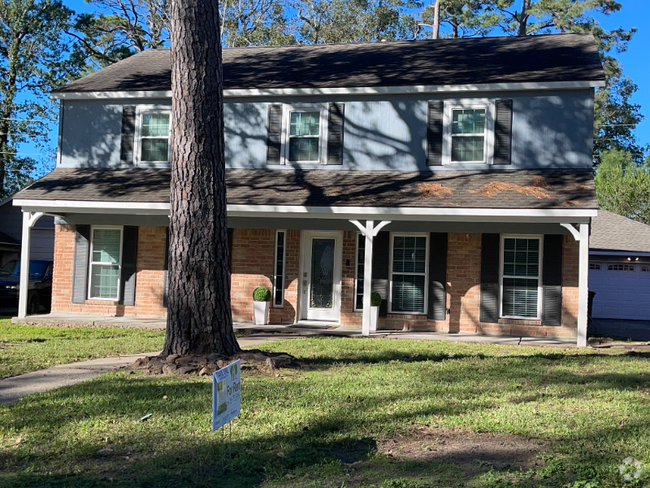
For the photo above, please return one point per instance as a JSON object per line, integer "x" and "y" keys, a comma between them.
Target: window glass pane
{"x": 303, "y": 149}
{"x": 408, "y": 293}
{"x": 409, "y": 254}
{"x": 155, "y": 150}
{"x": 520, "y": 297}
{"x": 468, "y": 121}
{"x": 304, "y": 123}
{"x": 467, "y": 148}
{"x": 103, "y": 281}
{"x": 361, "y": 255}
{"x": 521, "y": 257}
{"x": 155, "y": 125}
{"x": 322, "y": 273}
{"x": 106, "y": 245}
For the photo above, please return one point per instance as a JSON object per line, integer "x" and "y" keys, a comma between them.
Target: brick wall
{"x": 150, "y": 263}
{"x": 253, "y": 265}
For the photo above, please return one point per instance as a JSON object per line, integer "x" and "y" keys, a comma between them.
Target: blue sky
{"x": 635, "y": 61}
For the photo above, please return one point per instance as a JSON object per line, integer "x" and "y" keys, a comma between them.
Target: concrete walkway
{"x": 17, "y": 387}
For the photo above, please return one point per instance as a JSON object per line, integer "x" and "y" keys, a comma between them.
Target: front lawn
{"x": 25, "y": 348}
{"x": 360, "y": 412}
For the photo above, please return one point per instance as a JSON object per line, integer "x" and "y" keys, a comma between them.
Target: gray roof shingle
{"x": 534, "y": 189}
{"x": 546, "y": 58}
{"x": 611, "y": 232}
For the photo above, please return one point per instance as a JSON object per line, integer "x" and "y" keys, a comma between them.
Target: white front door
{"x": 322, "y": 253}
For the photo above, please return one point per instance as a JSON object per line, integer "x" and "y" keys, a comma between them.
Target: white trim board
{"x": 266, "y": 92}
{"x": 288, "y": 211}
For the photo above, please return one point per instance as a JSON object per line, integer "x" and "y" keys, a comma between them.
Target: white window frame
{"x": 426, "y": 271}
{"x": 356, "y": 272}
{"x": 322, "y": 131}
{"x": 540, "y": 290}
{"x": 140, "y": 111}
{"x": 91, "y": 262}
{"x": 284, "y": 268}
{"x": 447, "y": 123}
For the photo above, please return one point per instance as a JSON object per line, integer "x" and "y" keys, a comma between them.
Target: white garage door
{"x": 622, "y": 290}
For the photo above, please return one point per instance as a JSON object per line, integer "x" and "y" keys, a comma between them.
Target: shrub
{"x": 375, "y": 299}
{"x": 262, "y": 294}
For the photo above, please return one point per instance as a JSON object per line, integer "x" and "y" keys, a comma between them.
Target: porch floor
{"x": 287, "y": 331}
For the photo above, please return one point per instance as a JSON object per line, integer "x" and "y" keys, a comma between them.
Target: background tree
{"x": 254, "y": 23}
{"x": 199, "y": 318}
{"x": 34, "y": 59}
{"x": 128, "y": 27}
{"x": 623, "y": 186}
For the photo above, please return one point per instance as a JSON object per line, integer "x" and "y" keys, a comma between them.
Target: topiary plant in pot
{"x": 375, "y": 303}
{"x": 261, "y": 301}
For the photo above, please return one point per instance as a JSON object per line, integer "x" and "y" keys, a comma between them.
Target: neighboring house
{"x": 454, "y": 175}
{"x": 619, "y": 267}
{"x": 11, "y": 228}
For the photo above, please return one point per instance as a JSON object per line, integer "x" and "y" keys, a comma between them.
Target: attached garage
{"x": 619, "y": 267}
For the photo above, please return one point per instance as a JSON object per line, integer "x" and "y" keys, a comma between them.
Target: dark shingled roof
{"x": 611, "y": 232}
{"x": 535, "y": 189}
{"x": 559, "y": 57}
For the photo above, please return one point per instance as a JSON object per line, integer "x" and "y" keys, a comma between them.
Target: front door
{"x": 321, "y": 275}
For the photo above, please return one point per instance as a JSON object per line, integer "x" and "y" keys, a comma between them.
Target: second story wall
{"x": 549, "y": 129}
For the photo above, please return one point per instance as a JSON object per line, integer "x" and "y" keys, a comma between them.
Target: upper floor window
{"x": 305, "y": 133}
{"x": 152, "y": 136}
{"x": 468, "y": 132}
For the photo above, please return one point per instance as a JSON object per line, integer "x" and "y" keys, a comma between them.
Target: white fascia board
{"x": 73, "y": 206}
{"x": 336, "y": 213}
{"x": 385, "y": 90}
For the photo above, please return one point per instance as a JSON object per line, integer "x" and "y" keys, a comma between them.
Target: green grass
{"x": 29, "y": 348}
{"x": 321, "y": 425}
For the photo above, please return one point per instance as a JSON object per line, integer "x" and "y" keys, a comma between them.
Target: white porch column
{"x": 583, "y": 284}
{"x": 369, "y": 232}
{"x": 29, "y": 219}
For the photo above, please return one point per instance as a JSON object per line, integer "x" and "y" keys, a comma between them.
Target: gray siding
{"x": 550, "y": 130}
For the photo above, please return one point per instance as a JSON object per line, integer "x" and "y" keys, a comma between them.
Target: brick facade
{"x": 253, "y": 265}
{"x": 150, "y": 262}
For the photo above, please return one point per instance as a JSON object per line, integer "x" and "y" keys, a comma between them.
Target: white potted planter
{"x": 375, "y": 303}
{"x": 261, "y": 302}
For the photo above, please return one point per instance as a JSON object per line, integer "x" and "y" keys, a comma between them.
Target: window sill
{"x": 513, "y": 321}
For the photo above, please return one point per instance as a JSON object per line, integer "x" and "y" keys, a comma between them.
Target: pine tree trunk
{"x": 199, "y": 319}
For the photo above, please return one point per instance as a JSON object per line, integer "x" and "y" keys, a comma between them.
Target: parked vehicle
{"x": 40, "y": 285}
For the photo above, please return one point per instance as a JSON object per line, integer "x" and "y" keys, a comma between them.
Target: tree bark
{"x": 436, "y": 20}
{"x": 199, "y": 318}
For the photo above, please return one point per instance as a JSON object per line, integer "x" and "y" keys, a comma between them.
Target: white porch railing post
{"x": 23, "y": 291}
{"x": 367, "y": 277}
{"x": 583, "y": 284}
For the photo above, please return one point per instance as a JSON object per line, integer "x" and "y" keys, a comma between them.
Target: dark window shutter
{"x": 380, "y": 260}
{"x": 490, "y": 259}
{"x": 129, "y": 257}
{"x": 503, "y": 132}
{"x": 434, "y": 133}
{"x": 335, "y": 133}
{"x": 165, "y": 272}
{"x": 437, "y": 276}
{"x": 128, "y": 135}
{"x": 552, "y": 280}
{"x": 231, "y": 233}
{"x": 274, "y": 136}
{"x": 80, "y": 270}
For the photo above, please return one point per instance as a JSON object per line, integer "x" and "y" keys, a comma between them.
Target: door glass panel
{"x": 322, "y": 273}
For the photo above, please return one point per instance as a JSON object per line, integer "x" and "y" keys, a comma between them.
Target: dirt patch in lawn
{"x": 471, "y": 452}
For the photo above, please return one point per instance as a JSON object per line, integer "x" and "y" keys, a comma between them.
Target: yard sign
{"x": 226, "y": 394}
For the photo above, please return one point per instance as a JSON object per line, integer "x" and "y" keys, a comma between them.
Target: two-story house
{"x": 454, "y": 175}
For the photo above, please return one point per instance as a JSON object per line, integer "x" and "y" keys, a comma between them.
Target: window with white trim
{"x": 409, "y": 270}
{"x": 468, "y": 132}
{"x": 304, "y": 134}
{"x": 521, "y": 260}
{"x": 645, "y": 268}
{"x": 594, "y": 266}
{"x": 620, "y": 267}
{"x": 105, "y": 263}
{"x": 152, "y": 136}
{"x": 361, "y": 261}
{"x": 278, "y": 278}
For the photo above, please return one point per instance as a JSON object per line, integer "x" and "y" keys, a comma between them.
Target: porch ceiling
{"x": 552, "y": 189}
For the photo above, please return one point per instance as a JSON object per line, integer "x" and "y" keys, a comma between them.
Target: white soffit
{"x": 268, "y": 92}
